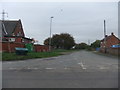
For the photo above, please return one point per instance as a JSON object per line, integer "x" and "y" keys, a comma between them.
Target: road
{"x": 80, "y": 69}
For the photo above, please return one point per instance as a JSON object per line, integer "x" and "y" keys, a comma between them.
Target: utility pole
{"x": 105, "y": 35}
{"x": 3, "y": 15}
{"x": 104, "y": 28}
{"x": 50, "y": 33}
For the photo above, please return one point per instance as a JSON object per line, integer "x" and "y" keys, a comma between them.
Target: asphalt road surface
{"x": 80, "y": 69}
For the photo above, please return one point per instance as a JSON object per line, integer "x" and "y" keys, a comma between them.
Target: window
{"x": 13, "y": 34}
{"x": 11, "y": 39}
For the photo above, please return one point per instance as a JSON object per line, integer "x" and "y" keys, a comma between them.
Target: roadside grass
{"x": 31, "y": 55}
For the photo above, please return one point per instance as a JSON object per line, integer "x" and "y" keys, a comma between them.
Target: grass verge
{"x": 32, "y": 55}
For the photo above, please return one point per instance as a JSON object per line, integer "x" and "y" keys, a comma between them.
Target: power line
{"x": 3, "y": 15}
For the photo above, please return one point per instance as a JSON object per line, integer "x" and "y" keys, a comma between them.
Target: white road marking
{"x": 28, "y": 68}
{"x": 21, "y": 61}
{"x": 9, "y": 62}
{"x": 83, "y": 67}
{"x": 66, "y": 68}
{"x": 12, "y": 68}
{"x": 49, "y": 68}
{"x": 79, "y": 63}
{"x": 103, "y": 67}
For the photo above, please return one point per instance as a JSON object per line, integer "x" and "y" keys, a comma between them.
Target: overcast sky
{"x": 83, "y": 20}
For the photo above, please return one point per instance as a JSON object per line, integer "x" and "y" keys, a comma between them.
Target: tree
{"x": 95, "y": 44}
{"x": 81, "y": 46}
{"x": 46, "y": 41}
{"x": 62, "y": 41}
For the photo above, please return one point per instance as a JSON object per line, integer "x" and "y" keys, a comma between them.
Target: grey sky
{"x": 83, "y": 20}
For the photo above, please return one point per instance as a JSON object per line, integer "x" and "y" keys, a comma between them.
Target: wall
{"x": 113, "y": 51}
{"x": 111, "y": 41}
{"x": 10, "y": 46}
{"x": 40, "y": 48}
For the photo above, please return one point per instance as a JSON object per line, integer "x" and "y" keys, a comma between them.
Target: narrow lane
{"x": 81, "y": 69}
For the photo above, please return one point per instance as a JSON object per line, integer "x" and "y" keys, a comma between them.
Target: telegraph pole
{"x": 104, "y": 28}
{"x": 105, "y": 35}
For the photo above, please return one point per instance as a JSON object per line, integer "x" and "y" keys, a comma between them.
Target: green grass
{"x": 31, "y": 55}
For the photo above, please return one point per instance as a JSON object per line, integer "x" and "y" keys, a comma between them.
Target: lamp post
{"x": 50, "y": 33}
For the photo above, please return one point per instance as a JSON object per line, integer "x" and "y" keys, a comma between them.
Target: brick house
{"x": 12, "y": 31}
{"x": 12, "y": 35}
{"x": 108, "y": 42}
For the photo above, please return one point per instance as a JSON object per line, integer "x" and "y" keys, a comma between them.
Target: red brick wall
{"x": 112, "y": 41}
{"x": 10, "y": 46}
{"x": 19, "y": 40}
{"x": 40, "y": 48}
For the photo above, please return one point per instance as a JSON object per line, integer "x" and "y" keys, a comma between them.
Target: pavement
{"x": 81, "y": 69}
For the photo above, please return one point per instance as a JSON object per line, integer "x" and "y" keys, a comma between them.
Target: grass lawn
{"x": 30, "y": 55}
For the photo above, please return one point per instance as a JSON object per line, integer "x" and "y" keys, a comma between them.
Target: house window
{"x": 11, "y": 39}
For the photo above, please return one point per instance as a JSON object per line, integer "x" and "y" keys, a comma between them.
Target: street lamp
{"x": 50, "y": 33}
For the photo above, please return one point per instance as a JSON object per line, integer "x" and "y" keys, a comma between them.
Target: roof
{"x": 8, "y": 26}
{"x": 108, "y": 37}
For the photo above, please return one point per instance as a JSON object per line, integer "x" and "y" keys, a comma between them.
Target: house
{"x": 107, "y": 43}
{"x": 12, "y": 35}
{"x": 12, "y": 31}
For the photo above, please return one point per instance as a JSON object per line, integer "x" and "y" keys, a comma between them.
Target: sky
{"x": 83, "y": 20}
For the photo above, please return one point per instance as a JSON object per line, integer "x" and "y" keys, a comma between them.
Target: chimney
{"x": 106, "y": 35}
{"x": 112, "y": 33}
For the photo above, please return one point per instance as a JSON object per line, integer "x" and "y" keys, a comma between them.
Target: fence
{"x": 40, "y": 48}
{"x": 114, "y": 51}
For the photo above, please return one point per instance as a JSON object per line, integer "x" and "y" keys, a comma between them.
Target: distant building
{"x": 108, "y": 42}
